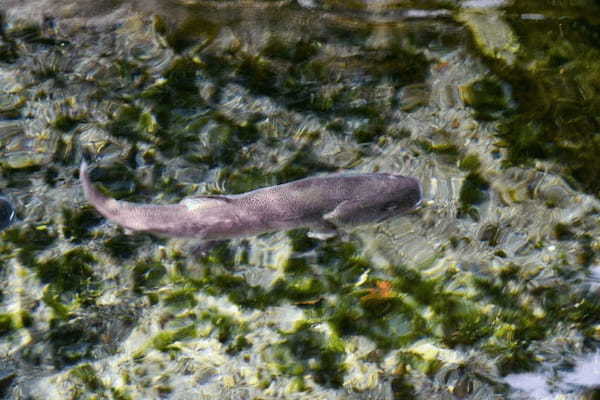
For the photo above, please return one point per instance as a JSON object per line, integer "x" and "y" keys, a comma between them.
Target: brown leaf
{"x": 382, "y": 291}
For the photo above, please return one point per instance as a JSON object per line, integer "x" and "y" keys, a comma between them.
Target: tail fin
{"x": 93, "y": 195}
{"x": 166, "y": 220}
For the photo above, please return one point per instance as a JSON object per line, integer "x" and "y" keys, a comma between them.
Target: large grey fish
{"x": 321, "y": 203}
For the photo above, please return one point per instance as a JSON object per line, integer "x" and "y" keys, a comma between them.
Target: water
{"x": 489, "y": 290}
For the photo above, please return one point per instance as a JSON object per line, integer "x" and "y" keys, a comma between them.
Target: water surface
{"x": 489, "y": 291}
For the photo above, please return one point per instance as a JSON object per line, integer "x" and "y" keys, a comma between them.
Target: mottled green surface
{"x": 493, "y": 281}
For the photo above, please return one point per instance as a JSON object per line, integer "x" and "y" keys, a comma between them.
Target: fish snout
{"x": 410, "y": 192}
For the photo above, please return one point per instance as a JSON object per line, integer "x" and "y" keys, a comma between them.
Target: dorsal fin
{"x": 204, "y": 201}
{"x": 210, "y": 196}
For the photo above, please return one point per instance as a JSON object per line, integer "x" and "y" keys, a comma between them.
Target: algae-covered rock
{"x": 490, "y": 98}
{"x": 492, "y": 33}
{"x": 24, "y": 159}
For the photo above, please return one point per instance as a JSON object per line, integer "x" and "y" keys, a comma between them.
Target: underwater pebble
{"x": 10, "y": 105}
{"x": 9, "y": 82}
{"x": 492, "y": 34}
{"x": 8, "y": 129}
{"x": 24, "y": 159}
{"x": 554, "y": 195}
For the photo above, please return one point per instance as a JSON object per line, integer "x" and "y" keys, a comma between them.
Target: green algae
{"x": 472, "y": 192}
{"x": 71, "y": 343}
{"x": 77, "y": 223}
{"x": 6, "y": 323}
{"x": 179, "y": 76}
{"x": 67, "y": 122}
{"x": 224, "y": 141}
{"x": 291, "y": 49}
{"x": 147, "y": 123}
{"x": 490, "y": 98}
{"x": 148, "y": 275}
{"x": 226, "y": 330}
{"x": 120, "y": 394}
{"x": 299, "y": 287}
{"x": 22, "y": 319}
{"x": 86, "y": 375}
{"x": 562, "y": 232}
{"x": 8, "y": 46}
{"x": 390, "y": 323}
{"x": 449, "y": 151}
{"x": 125, "y": 124}
{"x": 494, "y": 37}
{"x": 208, "y": 323}
{"x": 310, "y": 352}
{"x": 297, "y": 74}
{"x": 170, "y": 104}
{"x": 306, "y": 351}
{"x": 116, "y": 181}
{"x": 181, "y": 299}
{"x": 302, "y": 164}
{"x": 246, "y": 179}
{"x": 239, "y": 291}
{"x": 30, "y": 32}
{"x": 164, "y": 341}
{"x": 29, "y": 240}
{"x": 402, "y": 389}
{"x": 70, "y": 272}
{"x": 10, "y": 109}
{"x": 259, "y": 74}
{"x": 300, "y": 242}
{"x": 64, "y": 154}
{"x": 122, "y": 246}
{"x": 554, "y": 84}
{"x": 52, "y": 299}
{"x": 369, "y": 133}
{"x": 17, "y": 167}
{"x": 86, "y": 383}
{"x": 470, "y": 163}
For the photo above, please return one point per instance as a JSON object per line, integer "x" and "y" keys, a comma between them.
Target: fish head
{"x": 398, "y": 194}
{"x": 377, "y": 197}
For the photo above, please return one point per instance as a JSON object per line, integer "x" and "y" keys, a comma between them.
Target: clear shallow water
{"x": 489, "y": 290}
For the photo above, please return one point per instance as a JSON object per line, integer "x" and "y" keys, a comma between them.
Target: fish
{"x": 7, "y": 213}
{"x": 324, "y": 204}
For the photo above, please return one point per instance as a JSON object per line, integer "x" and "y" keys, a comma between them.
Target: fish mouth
{"x": 420, "y": 186}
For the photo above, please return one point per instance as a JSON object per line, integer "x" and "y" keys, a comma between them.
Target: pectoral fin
{"x": 344, "y": 213}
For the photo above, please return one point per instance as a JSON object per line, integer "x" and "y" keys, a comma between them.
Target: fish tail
{"x": 132, "y": 216}
{"x": 101, "y": 202}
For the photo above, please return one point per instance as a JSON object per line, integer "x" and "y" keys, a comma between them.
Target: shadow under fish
{"x": 324, "y": 204}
